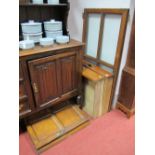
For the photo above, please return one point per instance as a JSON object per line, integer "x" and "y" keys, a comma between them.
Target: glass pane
{"x": 93, "y": 34}
{"x": 110, "y": 37}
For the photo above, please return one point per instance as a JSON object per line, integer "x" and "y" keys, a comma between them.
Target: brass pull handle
{"x": 35, "y": 88}
{"x": 21, "y": 106}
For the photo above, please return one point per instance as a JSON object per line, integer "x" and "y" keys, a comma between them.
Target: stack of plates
{"x": 62, "y": 39}
{"x": 32, "y": 31}
{"x": 46, "y": 41}
{"x": 26, "y": 44}
{"x": 53, "y": 29}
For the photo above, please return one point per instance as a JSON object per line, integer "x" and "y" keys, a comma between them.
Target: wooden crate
{"x": 97, "y": 91}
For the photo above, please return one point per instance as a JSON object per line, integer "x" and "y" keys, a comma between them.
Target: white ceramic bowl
{"x": 62, "y": 39}
{"x": 53, "y": 34}
{"x": 53, "y": 1}
{"x": 53, "y": 25}
{"x": 37, "y": 1}
{"x": 46, "y": 41}
{"x": 35, "y": 37}
{"x": 26, "y": 44}
{"x": 31, "y": 27}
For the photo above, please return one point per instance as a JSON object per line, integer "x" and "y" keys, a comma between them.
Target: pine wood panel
{"x": 98, "y": 86}
{"x": 47, "y": 130}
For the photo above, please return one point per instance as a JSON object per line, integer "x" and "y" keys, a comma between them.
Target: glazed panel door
{"x": 45, "y": 80}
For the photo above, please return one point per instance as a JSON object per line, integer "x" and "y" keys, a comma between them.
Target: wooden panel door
{"x": 69, "y": 73}
{"x": 45, "y": 80}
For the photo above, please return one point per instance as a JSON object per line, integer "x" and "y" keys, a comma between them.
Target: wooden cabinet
{"x": 49, "y": 76}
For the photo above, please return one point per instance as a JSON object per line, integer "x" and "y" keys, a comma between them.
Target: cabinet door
{"x": 69, "y": 73}
{"x": 26, "y": 104}
{"x": 45, "y": 80}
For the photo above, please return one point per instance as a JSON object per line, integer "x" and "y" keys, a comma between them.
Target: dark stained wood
{"x": 127, "y": 90}
{"x": 68, "y": 73}
{"x": 44, "y": 12}
{"x": 54, "y": 73}
{"x": 45, "y": 72}
{"x": 26, "y": 104}
{"x": 44, "y": 80}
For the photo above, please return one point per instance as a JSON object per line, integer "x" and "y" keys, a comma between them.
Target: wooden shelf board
{"x": 42, "y": 5}
{"x": 40, "y": 50}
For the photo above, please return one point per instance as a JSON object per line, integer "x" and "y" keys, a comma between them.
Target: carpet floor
{"x": 111, "y": 134}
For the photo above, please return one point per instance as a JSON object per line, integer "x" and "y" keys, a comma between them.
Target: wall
{"x": 75, "y": 23}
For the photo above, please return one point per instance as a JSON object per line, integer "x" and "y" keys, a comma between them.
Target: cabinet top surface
{"x": 39, "y": 49}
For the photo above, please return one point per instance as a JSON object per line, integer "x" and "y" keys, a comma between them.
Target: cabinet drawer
{"x": 24, "y": 107}
{"x": 25, "y": 96}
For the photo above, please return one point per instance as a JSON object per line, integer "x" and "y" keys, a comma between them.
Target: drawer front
{"x": 25, "y": 96}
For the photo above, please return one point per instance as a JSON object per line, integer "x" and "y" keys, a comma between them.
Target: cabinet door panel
{"x": 68, "y": 73}
{"x": 44, "y": 80}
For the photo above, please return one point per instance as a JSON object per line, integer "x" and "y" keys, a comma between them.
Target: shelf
{"x": 43, "y": 5}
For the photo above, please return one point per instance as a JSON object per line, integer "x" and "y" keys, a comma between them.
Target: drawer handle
{"x": 35, "y": 88}
{"x": 21, "y": 106}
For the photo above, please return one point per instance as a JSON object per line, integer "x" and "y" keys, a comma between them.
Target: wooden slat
{"x": 119, "y": 51}
{"x": 129, "y": 70}
{"x": 106, "y": 11}
{"x": 100, "y": 38}
{"x": 99, "y": 61}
